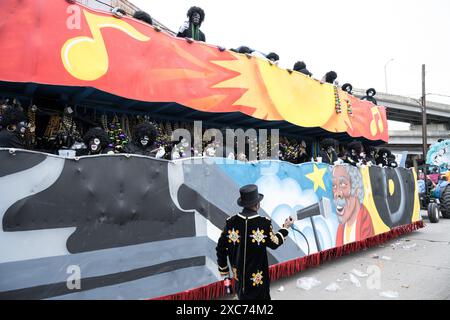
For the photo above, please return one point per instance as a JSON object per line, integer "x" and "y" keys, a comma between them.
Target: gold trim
{"x": 281, "y": 236}
{"x": 274, "y": 238}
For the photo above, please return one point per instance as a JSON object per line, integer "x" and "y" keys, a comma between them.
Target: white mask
{"x": 95, "y": 145}
{"x": 144, "y": 141}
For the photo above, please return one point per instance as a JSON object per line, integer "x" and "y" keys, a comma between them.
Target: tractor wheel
{"x": 445, "y": 202}
{"x": 433, "y": 212}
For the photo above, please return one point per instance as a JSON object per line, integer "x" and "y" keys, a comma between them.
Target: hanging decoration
{"x": 118, "y": 138}
{"x": 31, "y": 130}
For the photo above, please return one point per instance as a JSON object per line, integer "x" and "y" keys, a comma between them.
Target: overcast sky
{"x": 355, "y": 38}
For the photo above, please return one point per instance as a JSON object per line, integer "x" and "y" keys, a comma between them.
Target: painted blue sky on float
{"x": 288, "y": 188}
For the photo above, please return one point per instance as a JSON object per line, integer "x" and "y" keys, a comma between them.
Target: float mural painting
{"x": 139, "y": 228}
{"x": 133, "y": 227}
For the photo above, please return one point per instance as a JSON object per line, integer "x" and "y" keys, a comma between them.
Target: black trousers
{"x": 262, "y": 293}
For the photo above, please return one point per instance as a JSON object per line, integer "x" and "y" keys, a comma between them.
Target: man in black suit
{"x": 244, "y": 241}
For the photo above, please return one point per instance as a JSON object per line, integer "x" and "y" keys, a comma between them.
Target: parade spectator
{"x": 302, "y": 154}
{"x": 144, "y": 141}
{"x": 434, "y": 176}
{"x": 327, "y": 151}
{"x": 355, "y": 154}
{"x": 96, "y": 141}
{"x": 273, "y": 57}
{"x": 342, "y": 157}
{"x": 191, "y": 28}
{"x": 421, "y": 186}
{"x": 243, "y": 50}
{"x": 330, "y": 77}
{"x": 382, "y": 159}
{"x": 347, "y": 87}
{"x": 370, "y": 93}
{"x": 438, "y": 188}
{"x": 370, "y": 153}
{"x": 392, "y": 162}
{"x": 421, "y": 175}
{"x": 300, "y": 66}
{"x": 143, "y": 16}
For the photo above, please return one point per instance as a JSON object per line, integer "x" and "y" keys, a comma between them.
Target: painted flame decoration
{"x": 86, "y": 58}
{"x": 136, "y": 62}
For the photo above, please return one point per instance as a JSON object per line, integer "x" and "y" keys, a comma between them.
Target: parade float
{"x": 134, "y": 227}
{"x": 435, "y": 198}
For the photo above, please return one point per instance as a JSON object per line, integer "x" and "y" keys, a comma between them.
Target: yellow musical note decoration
{"x": 86, "y": 58}
{"x": 376, "y": 125}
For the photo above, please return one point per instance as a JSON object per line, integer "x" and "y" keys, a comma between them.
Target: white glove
{"x": 161, "y": 152}
{"x": 184, "y": 27}
{"x": 175, "y": 155}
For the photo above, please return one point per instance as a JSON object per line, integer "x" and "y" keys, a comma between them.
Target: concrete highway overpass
{"x": 409, "y": 110}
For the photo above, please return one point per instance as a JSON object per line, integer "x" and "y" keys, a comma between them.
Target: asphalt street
{"x": 413, "y": 266}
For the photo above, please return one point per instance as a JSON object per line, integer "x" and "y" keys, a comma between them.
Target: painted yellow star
{"x": 317, "y": 177}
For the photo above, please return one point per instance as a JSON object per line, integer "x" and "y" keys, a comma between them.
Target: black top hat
{"x": 249, "y": 196}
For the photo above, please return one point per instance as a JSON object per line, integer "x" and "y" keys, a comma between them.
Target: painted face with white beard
{"x": 347, "y": 205}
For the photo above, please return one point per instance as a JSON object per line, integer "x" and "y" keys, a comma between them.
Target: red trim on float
{"x": 217, "y": 289}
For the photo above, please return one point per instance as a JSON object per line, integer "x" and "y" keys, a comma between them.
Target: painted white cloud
{"x": 283, "y": 198}
{"x": 286, "y": 191}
